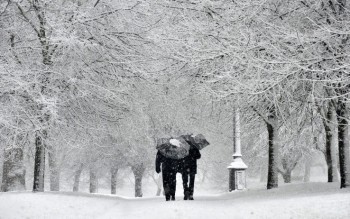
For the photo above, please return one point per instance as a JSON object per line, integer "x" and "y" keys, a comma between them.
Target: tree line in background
{"x": 91, "y": 85}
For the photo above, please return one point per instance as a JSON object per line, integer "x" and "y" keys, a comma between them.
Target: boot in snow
{"x": 186, "y": 195}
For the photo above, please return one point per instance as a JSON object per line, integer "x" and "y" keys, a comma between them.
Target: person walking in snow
{"x": 188, "y": 168}
{"x": 169, "y": 169}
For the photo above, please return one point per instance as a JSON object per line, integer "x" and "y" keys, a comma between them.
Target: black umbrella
{"x": 175, "y": 148}
{"x": 198, "y": 141}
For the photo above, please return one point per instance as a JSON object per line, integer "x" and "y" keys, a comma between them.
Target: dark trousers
{"x": 169, "y": 183}
{"x": 188, "y": 186}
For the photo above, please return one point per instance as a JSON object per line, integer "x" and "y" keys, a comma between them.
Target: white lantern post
{"x": 237, "y": 176}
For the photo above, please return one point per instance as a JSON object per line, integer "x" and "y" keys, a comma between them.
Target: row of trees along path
{"x": 92, "y": 85}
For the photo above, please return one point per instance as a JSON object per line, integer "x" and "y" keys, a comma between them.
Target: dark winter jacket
{"x": 189, "y": 163}
{"x": 168, "y": 164}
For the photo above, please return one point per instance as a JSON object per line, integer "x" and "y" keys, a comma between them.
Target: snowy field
{"x": 310, "y": 200}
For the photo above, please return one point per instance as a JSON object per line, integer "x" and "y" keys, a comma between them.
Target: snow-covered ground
{"x": 303, "y": 200}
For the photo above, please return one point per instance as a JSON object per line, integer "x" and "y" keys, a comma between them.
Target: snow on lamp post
{"x": 237, "y": 178}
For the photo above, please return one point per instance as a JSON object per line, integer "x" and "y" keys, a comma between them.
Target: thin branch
{"x": 8, "y": 3}
{"x": 263, "y": 117}
{"x": 109, "y": 13}
{"x": 27, "y": 19}
{"x": 96, "y": 3}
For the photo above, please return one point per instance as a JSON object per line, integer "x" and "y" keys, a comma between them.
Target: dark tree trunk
{"x": 330, "y": 147}
{"x": 138, "y": 171}
{"x": 39, "y": 163}
{"x": 344, "y": 150}
{"x": 93, "y": 181}
{"x": 13, "y": 177}
{"x": 114, "y": 172}
{"x": 39, "y": 25}
{"x": 272, "y": 175}
{"x": 338, "y": 9}
{"x": 54, "y": 172}
{"x": 77, "y": 175}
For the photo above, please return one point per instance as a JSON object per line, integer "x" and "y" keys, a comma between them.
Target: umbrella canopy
{"x": 198, "y": 141}
{"x": 175, "y": 148}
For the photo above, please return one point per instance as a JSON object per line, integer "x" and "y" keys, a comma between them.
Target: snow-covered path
{"x": 312, "y": 200}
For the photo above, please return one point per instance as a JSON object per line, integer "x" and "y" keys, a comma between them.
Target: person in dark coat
{"x": 169, "y": 170}
{"x": 188, "y": 168}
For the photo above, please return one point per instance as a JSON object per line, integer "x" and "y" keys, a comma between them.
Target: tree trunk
{"x": 114, "y": 172}
{"x": 335, "y": 156}
{"x": 328, "y": 155}
{"x": 263, "y": 174}
{"x": 204, "y": 175}
{"x": 288, "y": 164}
{"x": 93, "y": 181}
{"x": 159, "y": 185}
{"x": 77, "y": 175}
{"x": 343, "y": 144}
{"x": 287, "y": 176}
{"x": 54, "y": 172}
{"x": 288, "y": 167}
{"x": 307, "y": 170}
{"x": 138, "y": 186}
{"x": 272, "y": 175}
{"x": 138, "y": 171}
{"x": 39, "y": 163}
{"x": 159, "y": 190}
{"x": 13, "y": 177}
{"x": 330, "y": 119}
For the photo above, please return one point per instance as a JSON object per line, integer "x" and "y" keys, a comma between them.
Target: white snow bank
{"x": 311, "y": 200}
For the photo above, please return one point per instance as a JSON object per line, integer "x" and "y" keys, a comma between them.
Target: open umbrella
{"x": 198, "y": 141}
{"x": 175, "y": 148}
